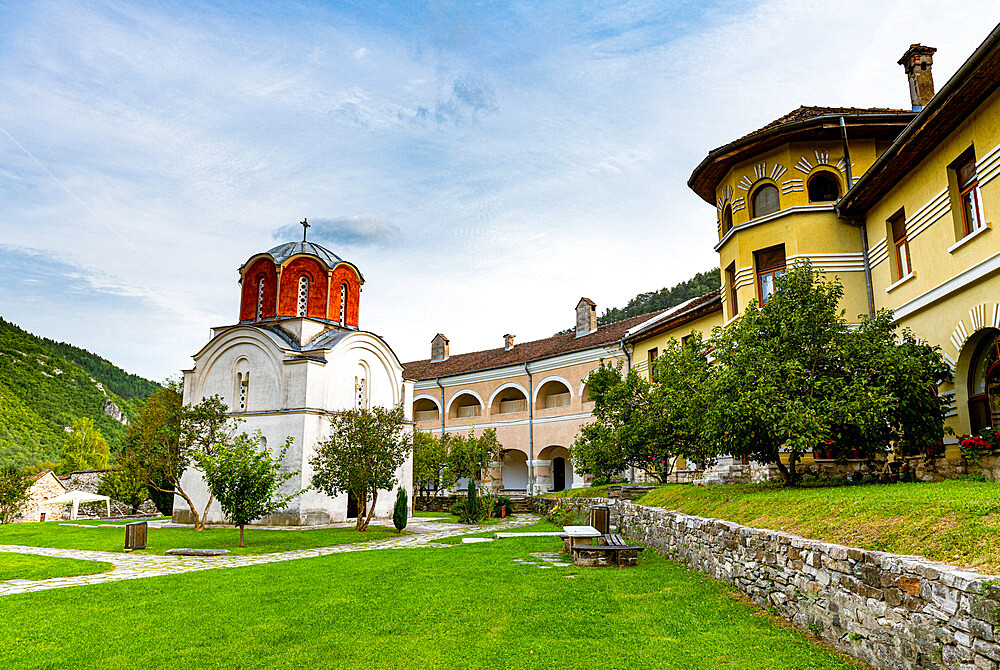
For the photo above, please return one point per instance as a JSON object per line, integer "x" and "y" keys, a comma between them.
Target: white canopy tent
{"x": 77, "y": 497}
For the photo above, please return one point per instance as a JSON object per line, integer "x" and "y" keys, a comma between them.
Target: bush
{"x": 502, "y": 501}
{"x": 562, "y": 515}
{"x": 458, "y": 509}
{"x": 400, "y": 510}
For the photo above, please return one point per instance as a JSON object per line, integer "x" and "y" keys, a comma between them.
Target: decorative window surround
{"x": 900, "y": 281}
{"x": 975, "y": 233}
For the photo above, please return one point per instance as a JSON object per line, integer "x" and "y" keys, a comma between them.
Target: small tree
{"x": 245, "y": 478}
{"x": 169, "y": 438}
{"x": 430, "y": 457}
{"x": 401, "y": 510}
{"x": 469, "y": 456}
{"x": 124, "y": 487}
{"x": 361, "y": 456}
{"x": 86, "y": 448}
{"x": 14, "y": 493}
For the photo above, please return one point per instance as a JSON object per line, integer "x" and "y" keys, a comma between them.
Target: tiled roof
{"x": 283, "y": 252}
{"x": 35, "y": 478}
{"x": 804, "y": 113}
{"x": 523, "y": 352}
{"x": 694, "y": 308}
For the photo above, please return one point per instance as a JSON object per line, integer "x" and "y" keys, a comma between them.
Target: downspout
{"x": 438, "y": 380}
{"x": 628, "y": 368}
{"x": 862, "y": 225}
{"x": 531, "y": 433}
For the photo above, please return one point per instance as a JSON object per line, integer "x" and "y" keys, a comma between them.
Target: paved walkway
{"x": 138, "y": 566}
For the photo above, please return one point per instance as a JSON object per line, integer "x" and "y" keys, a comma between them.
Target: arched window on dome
{"x": 303, "y": 306}
{"x": 260, "y": 298}
{"x": 823, "y": 187}
{"x": 765, "y": 200}
{"x": 726, "y": 223}
{"x": 343, "y": 304}
{"x": 242, "y": 384}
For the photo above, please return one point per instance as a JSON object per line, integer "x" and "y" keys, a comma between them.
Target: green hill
{"x": 45, "y": 385}
{"x": 644, "y": 303}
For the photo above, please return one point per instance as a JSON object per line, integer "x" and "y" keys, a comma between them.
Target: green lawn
{"x": 258, "y": 541}
{"x": 468, "y": 606}
{"x": 955, "y": 521}
{"x": 27, "y": 566}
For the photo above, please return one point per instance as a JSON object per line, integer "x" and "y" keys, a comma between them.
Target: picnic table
{"x": 609, "y": 549}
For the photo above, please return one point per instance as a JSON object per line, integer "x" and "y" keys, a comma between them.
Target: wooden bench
{"x": 613, "y": 550}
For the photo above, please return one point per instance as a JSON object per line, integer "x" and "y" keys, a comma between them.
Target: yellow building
{"x": 898, "y": 204}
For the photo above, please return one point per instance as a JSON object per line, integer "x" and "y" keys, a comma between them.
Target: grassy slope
{"x": 45, "y": 385}
{"x": 107, "y": 537}
{"x": 26, "y": 566}
{"x": 955, "y": 521}
{"x": 464, "y": 607}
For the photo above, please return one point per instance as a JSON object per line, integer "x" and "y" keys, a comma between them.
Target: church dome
{"x": 300, "y": 279}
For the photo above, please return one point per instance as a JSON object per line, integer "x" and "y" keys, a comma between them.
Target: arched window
{"x": 361, "y": 393}
{"x": 303, "y": 308}
{"x": 727, "y": 219}
{"x": 984, "y": 384}
{"x": 243, "y": 383}
{"x": 260, "y": 298}
{"x": 765, "y": 200}
{"x": 343, "y": 304}
{"x": 823, "y": 187}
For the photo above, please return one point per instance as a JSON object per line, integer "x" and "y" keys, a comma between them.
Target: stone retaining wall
{"x": 435, "y": 503}
{"x": 892, "y": 611}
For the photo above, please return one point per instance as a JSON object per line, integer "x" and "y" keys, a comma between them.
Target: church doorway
{"x": 558, "y": 473}
{"x": 984, "y": 384}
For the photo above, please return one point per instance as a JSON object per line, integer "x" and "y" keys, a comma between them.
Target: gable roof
{"x": 975, "y": 80}
{"x": 802, "y": 124}
{"x": 523, "y": 352}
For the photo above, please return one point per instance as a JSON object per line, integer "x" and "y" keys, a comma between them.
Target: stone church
{"x": 296, "y": 357}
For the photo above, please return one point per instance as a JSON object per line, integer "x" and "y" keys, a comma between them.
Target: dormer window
{"x": 343, "y": 304}
{"x": 765, "y": 200}
{"x": 303, "y": 305}
{"x": 824, "y": 187}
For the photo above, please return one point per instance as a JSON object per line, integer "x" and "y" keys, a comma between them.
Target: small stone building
{"x": 45, "y": 486}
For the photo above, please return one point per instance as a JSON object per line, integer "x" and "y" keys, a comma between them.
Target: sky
{"x": 485, "y": 164}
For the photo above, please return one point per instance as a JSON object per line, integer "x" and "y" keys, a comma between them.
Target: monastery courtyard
{"x": 432, "y": 601}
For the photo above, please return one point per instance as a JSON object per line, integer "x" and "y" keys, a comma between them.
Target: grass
{"x": 26, "y": 566}
{"x": 258, "y": 541}
{"x": 468, "y": 606}
{"x": 588, "y": 492}
{"x": 955, "y": 521}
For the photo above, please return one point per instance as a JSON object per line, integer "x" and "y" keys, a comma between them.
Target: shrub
{"x": 563, "y": 515}
{"x": 502, "y": 501}
{"x": 399, "y": 511}
{"x": 471, "y": 513}
{"x": 458, "y": 509}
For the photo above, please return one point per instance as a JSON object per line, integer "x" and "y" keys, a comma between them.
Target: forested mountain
{"x": 644, "y": 303}
{"x": 45, "y": 385}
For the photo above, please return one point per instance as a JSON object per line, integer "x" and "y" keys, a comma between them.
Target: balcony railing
{"x": 425, "y": 415}
{"x": 556, "y": 400}
{"x": 467, "y": 411}
{"x": 511, "y": 406}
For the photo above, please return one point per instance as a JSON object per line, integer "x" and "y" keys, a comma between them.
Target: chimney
{"x": 917, "y": 62}
{"x": 439, "y": 348}
{"x": 586, "y": 317}
{"x": 508, "y": 342}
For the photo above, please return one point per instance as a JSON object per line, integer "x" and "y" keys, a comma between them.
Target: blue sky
{"x": 484, "y": 164}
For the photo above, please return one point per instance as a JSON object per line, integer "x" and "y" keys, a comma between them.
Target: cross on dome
{"x": 305, "y": 226}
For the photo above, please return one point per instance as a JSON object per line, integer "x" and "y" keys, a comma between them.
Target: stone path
{"x": 138, "y": 566}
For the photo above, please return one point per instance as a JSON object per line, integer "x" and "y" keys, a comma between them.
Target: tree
{"x": 430, "y": 457}
{"x": 169, "y": 438}
{"x": 791, "y": 375}
{"x": 401, "y": 510}
{"x": 245, "y": 478}
{"x": 361, "y": 456}
{"x": 469, "y": 456}
{"x": 14, "y": 493}
{"x": 86, "y": 448}
{"x": 124, "y": 487}
{"x": 643, "y": 425}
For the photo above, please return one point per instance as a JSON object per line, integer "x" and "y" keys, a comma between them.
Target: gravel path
{"x": 139, "y": 566}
